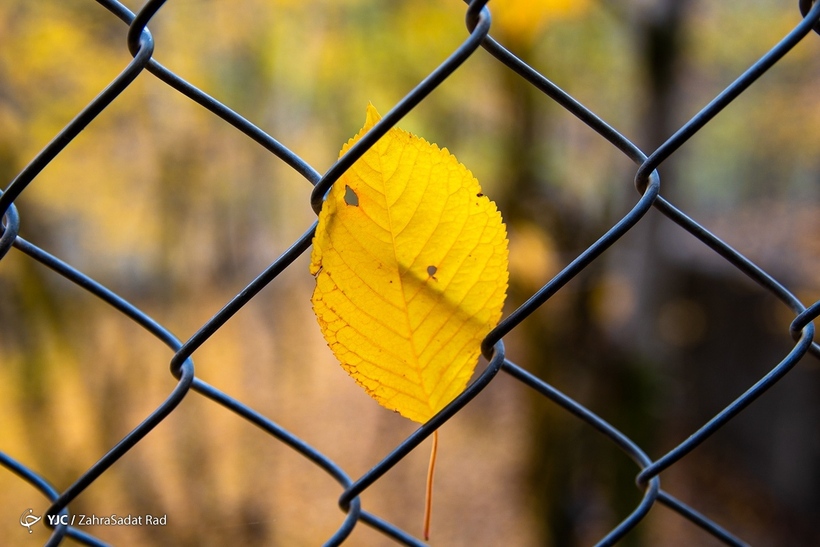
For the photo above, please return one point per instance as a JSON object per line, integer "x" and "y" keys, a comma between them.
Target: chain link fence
{"x": 649, "y": 195}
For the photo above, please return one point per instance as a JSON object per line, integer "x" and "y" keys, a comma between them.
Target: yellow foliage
{"x": 533, "y": 256}
{"x": 523, "y": 20}
{"x": 410, "y": 260}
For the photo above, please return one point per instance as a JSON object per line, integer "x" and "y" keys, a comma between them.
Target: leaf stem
{"x": 428, "y": 500}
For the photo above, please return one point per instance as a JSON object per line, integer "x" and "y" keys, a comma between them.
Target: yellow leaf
{"x": 410, "y": 260}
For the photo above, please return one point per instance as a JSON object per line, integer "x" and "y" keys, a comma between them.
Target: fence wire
{"x": 647, "y": 182}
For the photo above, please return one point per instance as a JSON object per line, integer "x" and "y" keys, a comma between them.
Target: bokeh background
{"x": 176, "y": 211}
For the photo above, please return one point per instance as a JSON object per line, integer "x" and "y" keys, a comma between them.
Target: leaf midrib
{"x": 416, "y": 362}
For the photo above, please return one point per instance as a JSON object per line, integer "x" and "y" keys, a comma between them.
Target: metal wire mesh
{"x": 647, "y": 182}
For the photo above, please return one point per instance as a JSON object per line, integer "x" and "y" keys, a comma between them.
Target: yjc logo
{"x": 29, "y": 519}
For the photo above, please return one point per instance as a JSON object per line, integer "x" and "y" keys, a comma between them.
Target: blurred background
{"x": 176, "y": 211}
